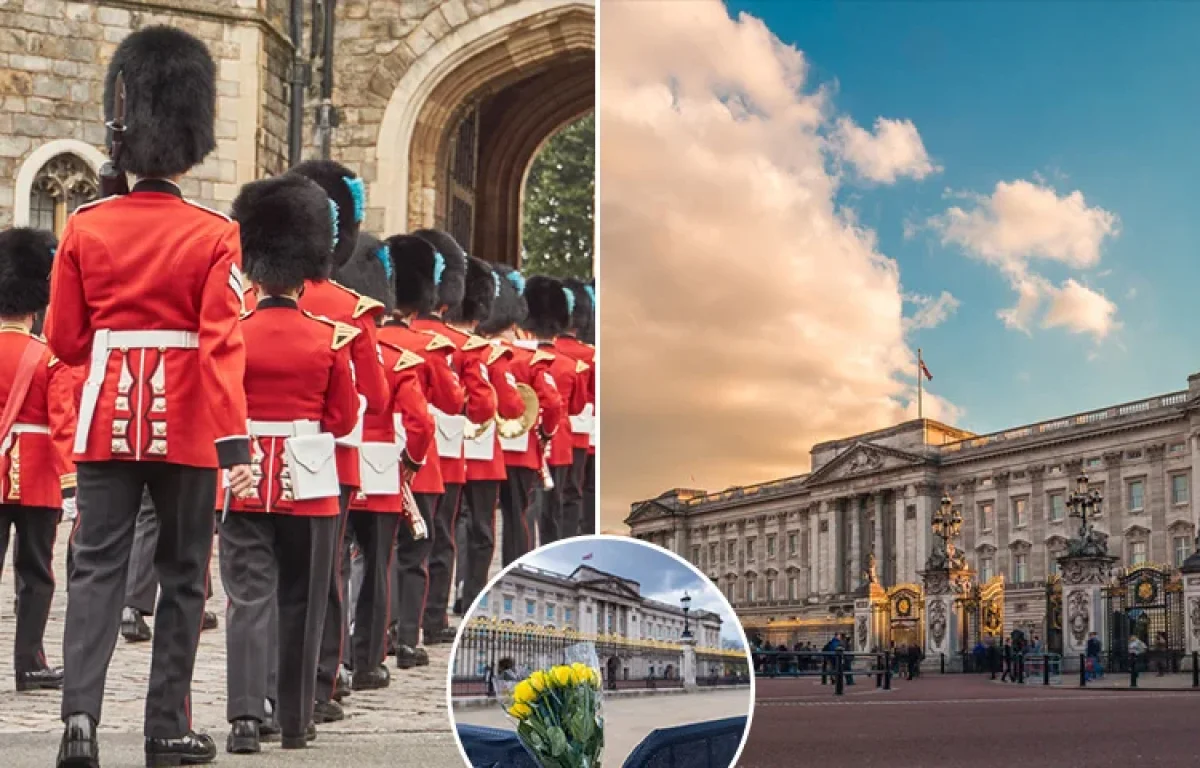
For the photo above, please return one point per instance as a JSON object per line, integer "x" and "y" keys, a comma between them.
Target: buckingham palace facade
{"x": 798, "y": 550}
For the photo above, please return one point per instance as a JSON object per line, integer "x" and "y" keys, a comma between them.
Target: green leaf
{"x": 560, "y": 197}
{"x": 558, "y": 741}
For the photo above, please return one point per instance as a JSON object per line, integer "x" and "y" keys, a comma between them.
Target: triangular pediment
{"x": 645, "y": 511}
{"x": 865, "y": 459}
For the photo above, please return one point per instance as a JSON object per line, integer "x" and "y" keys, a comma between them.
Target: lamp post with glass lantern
{"x": 1085, "y": 569}
{"x": 945, "y": 577}
{"x": 686, "y": 601}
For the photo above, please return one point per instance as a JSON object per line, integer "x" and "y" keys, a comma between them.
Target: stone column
{"x": 1038, "y": 521}
{"x": 1003, "y": 525}
{"x": 1083, "y": 578}
{"x": 921, "y": 498}
{"x": 1191, "y": 606}
{"x": 813, "y": 586}
{"x": 1156, "y": 503}
{"x": 688, "y": 664}
{"x": 833, "y": 547}
{"x": 900, "y": 538}
{"x": 1194, "y": 481}
{"x": 1115, "y": 511}
{"x": 854, "y": 512}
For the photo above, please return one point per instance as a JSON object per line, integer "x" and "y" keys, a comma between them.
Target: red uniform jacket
{"x": 150, "y": 260}
{"x": 468, "y": 361}
{"x": 583, "y": 352}
{"x": 534, "y": 368}
{"x": 572, "y": 389}
{"x": 327, "y": 298}
{"x": 408, "y": 401}
{"x": 509, "y": 405}
{"x": 297, "y": 367}
{"x": 439, "y": 385}
{"x": 35, "y": 466}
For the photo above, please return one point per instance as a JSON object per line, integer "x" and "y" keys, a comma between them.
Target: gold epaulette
{"x": 246, "y": 314}
{"x": 365, "y": 303}
{"x": 342, "y": 334}
{"x": 438, "y": 342}
{"x": 581, "y": 366}
{"x": 407, "y": 360}
{"x": 541, "y": 356}
{"x": 497, "y": 353}
{"x": 53, "y": 362}
{"x": 474, "y": 342}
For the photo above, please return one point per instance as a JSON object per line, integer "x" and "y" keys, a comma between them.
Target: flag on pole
{"x": 924, "y": 369}
{"x": 588, "y": 556}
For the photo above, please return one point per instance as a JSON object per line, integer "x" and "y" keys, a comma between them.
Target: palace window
{"x": 1137, "y": 496}
{"x": 1181, "y": 546}
{"x": 1058, "y": 507}
{"x": 695, "y": 551}
{"x": 1179, "y": 489}
{"x": 986, "y": 568}
{"x": 1020, "y": 512}
{"x": 1052, "y": 567}
{"x": 530, "y": 608}
{"x": 568, "y": 614}
{"x": 62, "y": 185}
{"x": 713, "y": 551}
{"x": 1094, "y": 462}
{"x": 791, "y": 587}
{"x": 791, "y": 545}
{"x": 731, "y": 555}
{"x": 1177, "y": 448}
{"x": 483, "y": 602}
{"x": 985, "y": 517}
{"x": 750, "y": 590}
{"x": 770, "y": 588}
{"x": 750, "y": 550}
{"x": 1138, "y": 553}
{"x": 550, "y": 613}
{"x": 508, "y": 608}
{"x": 771, "y": 545}
{"x": 1020, "y": 567}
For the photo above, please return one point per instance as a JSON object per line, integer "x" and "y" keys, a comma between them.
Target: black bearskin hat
{"x": 25, "y": 257}
{"x": 369, "y": 271}
{"x": 287, "y": 231}
{"x": 482, "y": 286}
{"x": 453, "y": 285}
{"x": 417, "y": 269}
{"x": 509, "y": 307}
{"x": 170, "y": 101}
{"x": 549, "y": 307}
{"x": 347, "y": 191}
{"x": 583, "y": 313}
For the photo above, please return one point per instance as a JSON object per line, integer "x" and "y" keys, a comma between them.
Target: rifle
{"x": 112, "y": 178}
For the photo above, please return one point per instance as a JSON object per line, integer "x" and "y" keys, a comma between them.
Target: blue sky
{"x": 661, "y": 576}
{"x": 1095, "y": 97}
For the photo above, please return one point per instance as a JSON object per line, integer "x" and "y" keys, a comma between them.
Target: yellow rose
{"x": 538, "y": 681}
{"x": 520, "y": 711}
{"x": 561, "y": 675}
{"x": 524, "y": 692}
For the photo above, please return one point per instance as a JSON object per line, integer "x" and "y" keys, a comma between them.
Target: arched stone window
{"x": 64, "y": 183}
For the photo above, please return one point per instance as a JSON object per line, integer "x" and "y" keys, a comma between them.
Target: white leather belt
{"x": 22, "y": 429}
{"x": 103, "y": 342}
{"x": 297, "y": 428}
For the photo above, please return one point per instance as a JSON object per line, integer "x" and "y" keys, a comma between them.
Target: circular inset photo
{"x": 600, "y": 651}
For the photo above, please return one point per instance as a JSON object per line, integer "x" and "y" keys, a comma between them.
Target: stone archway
{"x": 520, "y": 72}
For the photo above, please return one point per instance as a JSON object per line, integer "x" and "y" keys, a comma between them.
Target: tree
{"x": 560, "y": 202}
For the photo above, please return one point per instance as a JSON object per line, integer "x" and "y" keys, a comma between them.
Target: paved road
{"x": 956, "y": 720}
{"x": 628, "y": 721}
{"x": 405, "y": 724}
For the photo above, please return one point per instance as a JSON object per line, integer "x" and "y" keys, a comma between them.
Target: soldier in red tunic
{"x": 469, "y": 363}
{"x": 327, "y": 298}
{"x": 485, "y": 457}
{"x": 549, "y": 303}
{"x": 419, "y": 270}
{"x": 576, "y": 501}
{"x": 394, "y": 449}
{"x": 300, "y": 395}
{"x": 146, "y": 291}
{"x": 523, "y": 454}
{"x": 37, "y": 424}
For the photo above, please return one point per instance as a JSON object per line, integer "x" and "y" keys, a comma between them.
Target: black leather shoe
{"x": 79, "y": 748}
{"x": 422, "y": 656}
{"x": 40, "y": 680}
{"x": 243, "y": 737}
{"x": 210, "y": 621}
{"x": 342, "y": 686}
{"x": 133, "y": 626}
{"x": 268, "y": 730}
{"x": 406, "y": 657}
{"x": 328, "y": 712}
{"x": 441, "y": 637}
{"x": 300, "y": 742}
{"x": 372, "y": 679}
{"x": 393, "y": 635}
{"x": 190, "y": 749}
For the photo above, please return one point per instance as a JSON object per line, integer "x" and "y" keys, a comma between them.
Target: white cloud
{"x": 931, "y": 312}
{"x": 894, "y": 150}
{"x": 746, "y": 315}
{"x": 1021, "y": 222}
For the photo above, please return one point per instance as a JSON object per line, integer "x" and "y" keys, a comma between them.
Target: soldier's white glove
{"x": 69, "y": 508}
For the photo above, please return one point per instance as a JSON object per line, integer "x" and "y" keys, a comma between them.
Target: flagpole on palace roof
{"x": 920, "y": 374}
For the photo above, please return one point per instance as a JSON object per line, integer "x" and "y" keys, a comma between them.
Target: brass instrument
{"x": 416, "y": 523}
{"x": 473, "y": 431}
{"x": 510, "y": 429}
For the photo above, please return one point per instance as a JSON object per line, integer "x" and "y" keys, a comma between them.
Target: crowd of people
{"x": 324, "y": 403}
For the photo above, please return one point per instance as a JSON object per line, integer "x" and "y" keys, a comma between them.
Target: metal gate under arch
{"x": 1146, "y": 601}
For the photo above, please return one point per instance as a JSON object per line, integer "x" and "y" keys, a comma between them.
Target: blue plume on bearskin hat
{"x": 286, "y": 235}
{"x": 583, "y": 309}
{"x": 25, "y": 258}
{"x": 509, "y": 307}
{"x": 369, "y": 271}
{"x": 549, "y": 314}
{"x": 414, "y": 275}
{"x": 452, "y": 285}
{"x": 345, "y": 189}
{"x": 170, "y": 101}
{"x": 478, "y": 295}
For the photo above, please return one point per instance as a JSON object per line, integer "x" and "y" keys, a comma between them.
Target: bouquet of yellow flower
{"x": 558, "y": 715}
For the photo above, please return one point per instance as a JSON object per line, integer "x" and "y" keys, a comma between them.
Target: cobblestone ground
{"x": 413, "y": 707}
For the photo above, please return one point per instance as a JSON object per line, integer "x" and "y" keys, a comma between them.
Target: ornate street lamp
{"x": 1084, "y": 504}
{"x": 686, "y": 600}
{"x": 947, "y": 523}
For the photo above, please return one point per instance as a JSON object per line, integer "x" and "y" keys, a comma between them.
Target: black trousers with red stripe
{"x": 589, "y": 495}
{"x": 481, "y": 498}
{"x": 375, "y": 533}
{"x": 109, "y": 496}
{"x": 441, "y": 560}
{"x": 516, "y": 501}
{"x": 33, "y": 563}
{"x": 410, "y": 577}
{"x": 333, "y": 636}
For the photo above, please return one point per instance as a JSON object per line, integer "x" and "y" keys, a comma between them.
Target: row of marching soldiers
{"x": 212, "y": 361}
